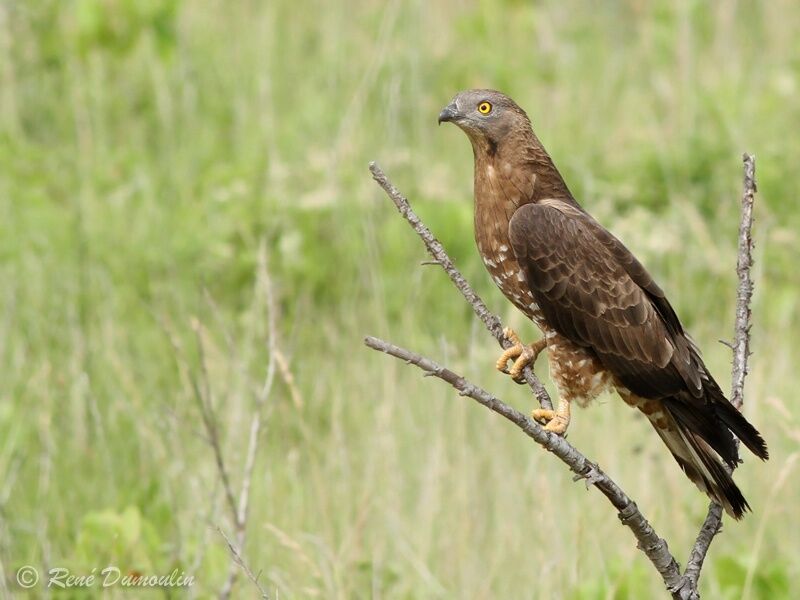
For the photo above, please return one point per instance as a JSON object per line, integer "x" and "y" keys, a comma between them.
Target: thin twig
{"x": 288, "y": 378}
{"x": 649, "y": 542}
{"x": 435, "y": 249}
{"x": 240, "y": 515}
{"x": 744, "y": 290}
{"x": 238, "y": 560}
{"x": 711, "y": 526}
{"x": 741, "y": 352}
{"x": 202, "y": 394}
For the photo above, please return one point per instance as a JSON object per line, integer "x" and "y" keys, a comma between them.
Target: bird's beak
{"x": 449, "y": 113}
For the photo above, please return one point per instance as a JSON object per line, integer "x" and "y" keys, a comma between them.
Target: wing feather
{"x": 594, "y": 292}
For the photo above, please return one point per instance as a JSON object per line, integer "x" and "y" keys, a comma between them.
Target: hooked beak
{"x": 449, "y": 113}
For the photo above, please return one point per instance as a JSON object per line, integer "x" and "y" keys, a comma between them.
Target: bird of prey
{"x": 605, "y": 322}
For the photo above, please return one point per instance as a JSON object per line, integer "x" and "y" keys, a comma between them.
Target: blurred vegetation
{"x": 147, "y": 147}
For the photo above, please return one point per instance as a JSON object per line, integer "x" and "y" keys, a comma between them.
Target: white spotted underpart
{"x": 576, "y": 372}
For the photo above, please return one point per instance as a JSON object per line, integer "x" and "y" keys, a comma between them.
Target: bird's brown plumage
{"x": 606, "y": 322}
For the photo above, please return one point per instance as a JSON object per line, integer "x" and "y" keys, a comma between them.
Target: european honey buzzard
{"x": 606, "y": 323}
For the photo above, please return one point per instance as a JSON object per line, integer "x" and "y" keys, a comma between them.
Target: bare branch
{"x": 744, "y": 291}
{"x": 288, "y": 378}
{"x": 435, "y": 249}
{"x": 240, "y": 515}
{"x": 202, "y": 394}
{"x": 238, "y": 560}
{"x": 649, "y": 542}
{"x": 697, "y": 556}
{"x": 741, "y": 352}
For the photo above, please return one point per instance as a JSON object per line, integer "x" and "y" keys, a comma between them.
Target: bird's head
{"x": 486, "y": 116}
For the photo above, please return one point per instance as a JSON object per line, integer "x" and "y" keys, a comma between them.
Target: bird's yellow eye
{"x": 484, "y": 108}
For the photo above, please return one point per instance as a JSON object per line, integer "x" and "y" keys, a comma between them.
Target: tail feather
{"x": 701, "y": 464}
{"x": 735, "y": 421}
{"x": 700, "y": 434}
{"x": 705, "y": 424}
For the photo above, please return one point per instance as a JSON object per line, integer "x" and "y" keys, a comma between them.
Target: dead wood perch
{"x": 683, "y": 586}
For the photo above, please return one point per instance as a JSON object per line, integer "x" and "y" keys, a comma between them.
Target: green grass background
{"x": 147, "y": 149}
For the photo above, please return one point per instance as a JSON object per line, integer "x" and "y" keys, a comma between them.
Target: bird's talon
{"x": 554, "y": 421}
{"x": 558, "y": 425}
{"x": 512, "y": 336}
{"x": 521, "y": 355}
{"x": 543, "y": 415}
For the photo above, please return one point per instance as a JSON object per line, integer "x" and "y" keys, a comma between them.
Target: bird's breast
{"x": 498, "y": 195}
{"x": 491, "y": 237}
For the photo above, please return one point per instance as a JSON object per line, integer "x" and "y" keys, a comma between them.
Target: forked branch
{"x": 682, "y": 586}
{"x": 238, "y": 504}
{"x": 741, "y": 352}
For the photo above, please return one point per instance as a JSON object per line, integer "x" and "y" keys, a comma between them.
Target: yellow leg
{"x": 557, "y": 420}
{"x": 521, "y": 354}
